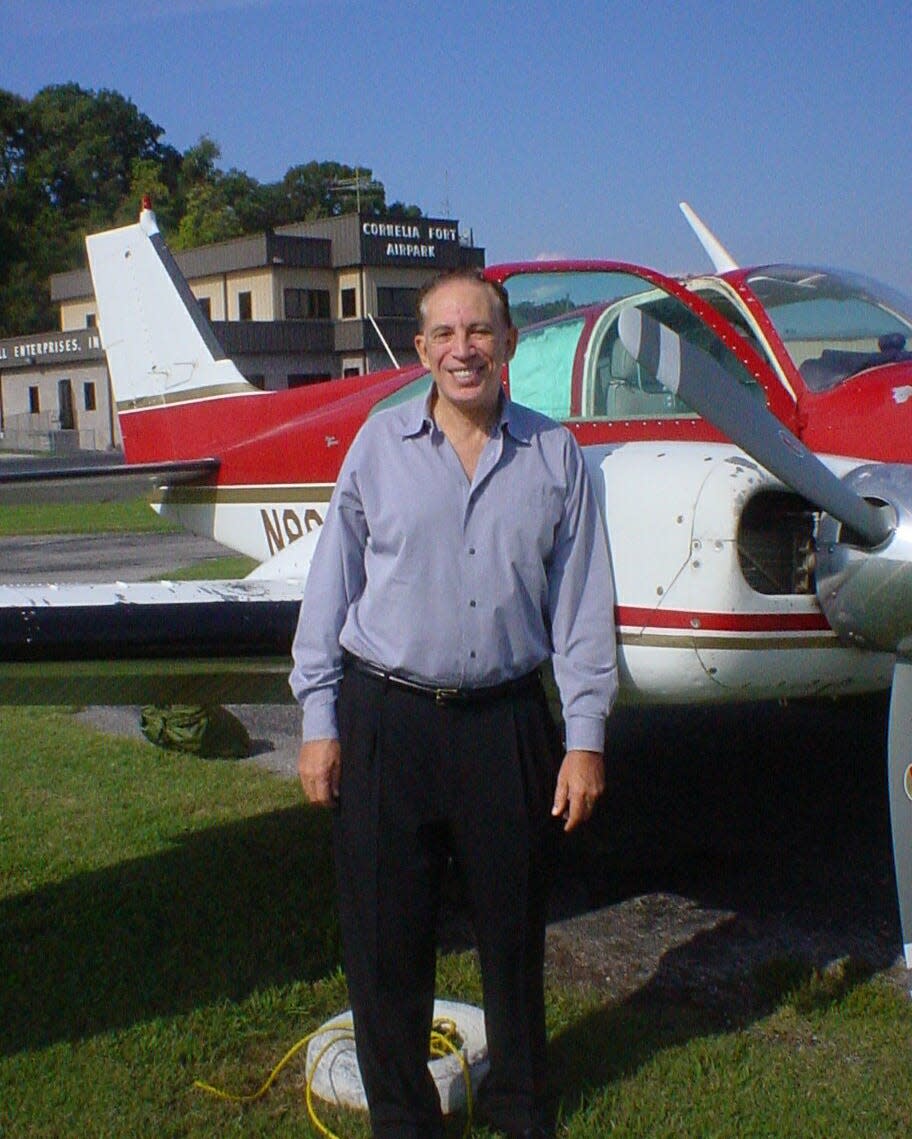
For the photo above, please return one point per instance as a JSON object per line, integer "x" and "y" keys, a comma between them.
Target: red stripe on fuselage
{"x": 636, "y": 617}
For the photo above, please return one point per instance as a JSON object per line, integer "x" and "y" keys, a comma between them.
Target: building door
{"x": 66, "y": 406}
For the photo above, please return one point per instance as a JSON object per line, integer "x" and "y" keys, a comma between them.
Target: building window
{"x": 88, "y": 396}
{"x": 34, "y": 401}
{"x": 306, "y": 304}
{"x": 396, "y": 302}
{"x": 245, "y": 306}
{"x": 205, "y": 304}
{"x": 91, "y": 320}
{"x": 348, "y": 303}
{"x": 352, "y": 371}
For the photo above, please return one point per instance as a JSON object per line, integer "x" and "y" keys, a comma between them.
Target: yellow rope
{"x": 445, "y": 1041}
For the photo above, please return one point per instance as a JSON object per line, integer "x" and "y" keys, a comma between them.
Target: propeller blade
{"x": 899, "y": 758}
{"x": 722, "y": 260}
{"x": 703, "y": 384}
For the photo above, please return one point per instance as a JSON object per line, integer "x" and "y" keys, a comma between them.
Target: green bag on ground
{"x": 202, "y": 729}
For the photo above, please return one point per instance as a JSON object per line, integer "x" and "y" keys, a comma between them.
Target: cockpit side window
{"x": 570, "y": 362}
{"x": 541, "y": 371}
{"x": 620, "y": 387}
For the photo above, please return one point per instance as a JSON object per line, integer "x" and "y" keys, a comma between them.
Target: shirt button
{"x": 471, "y": 604}
{"x": 472, "y": 654}
{"x": 471, "y": 549}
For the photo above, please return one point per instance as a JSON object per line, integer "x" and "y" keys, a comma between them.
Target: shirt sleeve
{"x": 335, "y": 580}
{"x": 581, "y": 610}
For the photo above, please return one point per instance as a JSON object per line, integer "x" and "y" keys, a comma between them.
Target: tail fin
{"x": 160, "y": 347}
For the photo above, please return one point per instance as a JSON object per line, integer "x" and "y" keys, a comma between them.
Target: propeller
{"x": 864, "y": 542}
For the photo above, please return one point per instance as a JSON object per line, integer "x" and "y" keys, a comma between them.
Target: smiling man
{"x": 461, "y": 551}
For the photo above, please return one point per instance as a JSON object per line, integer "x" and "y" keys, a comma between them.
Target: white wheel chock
{"x": 332, "y": 1066}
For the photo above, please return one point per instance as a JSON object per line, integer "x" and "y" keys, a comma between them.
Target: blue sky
{"x": 570, "y": 129}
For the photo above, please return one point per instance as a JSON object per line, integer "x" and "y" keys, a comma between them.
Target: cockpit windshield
{"x": 834, "y": 324}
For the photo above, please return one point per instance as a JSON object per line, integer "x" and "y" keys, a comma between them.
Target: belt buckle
{"x": 445, "y": 695}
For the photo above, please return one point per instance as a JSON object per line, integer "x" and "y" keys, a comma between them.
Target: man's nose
{"x": 462, "y": 343}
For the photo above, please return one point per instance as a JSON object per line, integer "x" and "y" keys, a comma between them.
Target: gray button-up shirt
{"x": 456, "y": 583}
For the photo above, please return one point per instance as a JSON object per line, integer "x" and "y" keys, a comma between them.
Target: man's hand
{"x": 580, "y": 783}
{"x": 319, "y": 768}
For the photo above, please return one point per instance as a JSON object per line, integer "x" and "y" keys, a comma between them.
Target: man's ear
{"x": 420, "y": 349}
{"x": 512, "y": 337}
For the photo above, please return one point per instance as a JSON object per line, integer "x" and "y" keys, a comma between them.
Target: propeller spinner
{"x": 864, "y": 555}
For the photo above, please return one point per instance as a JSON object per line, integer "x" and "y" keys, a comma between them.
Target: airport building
{"x": 308, "y": 302}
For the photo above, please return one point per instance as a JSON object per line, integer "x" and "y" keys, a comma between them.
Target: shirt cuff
{"x": 585, "y": 733}
{"x": 319, "y": 716}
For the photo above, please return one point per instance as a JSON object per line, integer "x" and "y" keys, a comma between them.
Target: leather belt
{"x": 439, "y": 694}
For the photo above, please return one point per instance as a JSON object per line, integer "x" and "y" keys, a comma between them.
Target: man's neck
{"x": 463, "y": 422}
{"x": 467, "y": 429}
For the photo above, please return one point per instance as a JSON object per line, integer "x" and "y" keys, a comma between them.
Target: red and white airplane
{"x": 747, "y": 431}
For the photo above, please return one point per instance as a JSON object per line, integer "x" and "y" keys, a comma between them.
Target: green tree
{"x": 208, "y": 217}
{"x": 328, "y": 189}
{"x": 66, "y": 169}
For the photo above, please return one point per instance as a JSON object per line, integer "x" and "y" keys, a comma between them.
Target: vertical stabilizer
{"x": 160, "y": 347}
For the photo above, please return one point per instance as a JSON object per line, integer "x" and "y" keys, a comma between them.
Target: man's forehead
{"x": 458, "y": 297}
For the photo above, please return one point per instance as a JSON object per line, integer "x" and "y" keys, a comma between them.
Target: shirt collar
{"x": 419, "y": 419}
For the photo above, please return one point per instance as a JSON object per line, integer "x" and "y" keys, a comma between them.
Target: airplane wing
{"x": 149, "y": 642}
{"x": 98, "y": 481}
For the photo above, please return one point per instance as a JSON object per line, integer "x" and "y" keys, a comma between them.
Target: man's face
{"x": 465, "y": 342}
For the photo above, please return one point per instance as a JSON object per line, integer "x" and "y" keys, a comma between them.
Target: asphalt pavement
{"x": 101, "y": 557}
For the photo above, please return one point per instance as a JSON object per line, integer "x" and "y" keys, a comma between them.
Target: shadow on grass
{"x": 612, "y": 1043}
{"x": 227, "y": 910}
{"x": 759, "y": 809}
{"x": 776, "y": 819}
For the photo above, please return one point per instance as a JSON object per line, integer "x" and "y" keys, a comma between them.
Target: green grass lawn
{"x": 134, "y": 516}
{"x": 165, "y": 919}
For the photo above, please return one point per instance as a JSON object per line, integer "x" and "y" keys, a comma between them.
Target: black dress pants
{"x": 422, "y": 782}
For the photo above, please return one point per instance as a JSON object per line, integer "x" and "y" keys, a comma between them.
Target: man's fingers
{"x": 319, "y": 769}
{"x": 560, "y": 798}
{"x": 580, "y": 783}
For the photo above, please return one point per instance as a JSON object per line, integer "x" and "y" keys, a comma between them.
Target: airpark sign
{"x": 427, "y": 241}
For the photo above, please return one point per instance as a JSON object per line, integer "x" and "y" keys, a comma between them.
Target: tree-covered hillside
{"x": 75, "y": 161}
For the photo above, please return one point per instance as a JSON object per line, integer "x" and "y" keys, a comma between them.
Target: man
{"x": 462, "y": 549}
